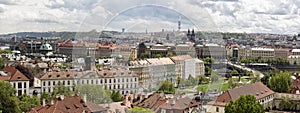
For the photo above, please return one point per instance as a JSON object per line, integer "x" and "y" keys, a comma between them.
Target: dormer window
{"x": 19, "y": 77}
{"x": 104, "y": 74}
{"x": 49, "y": 76}
{"x": 57, "y": 76}
{"x": 68, "y": 75}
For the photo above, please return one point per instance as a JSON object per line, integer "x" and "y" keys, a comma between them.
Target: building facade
{"x": 17, "y": 79}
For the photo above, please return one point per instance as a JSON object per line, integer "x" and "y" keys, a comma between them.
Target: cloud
{"x": 274, "y": 16}
{"x": 2, "y": 9}
{"x": 8, "y": 2}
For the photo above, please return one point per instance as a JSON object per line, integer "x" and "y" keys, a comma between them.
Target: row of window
{"x": 20, "y": 84}
{"x": 53, "y": 83}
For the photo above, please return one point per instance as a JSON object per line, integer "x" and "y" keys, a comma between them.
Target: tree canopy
{"x": 94, "y": 93}
{"x": 8, "y": 100}
{"x": 244, "y": 104}
{"x": 1, "y": 63}
{"x": 27, "y": 102}
{"x": 167, "y": 87}
{"x": 281, "y": 82}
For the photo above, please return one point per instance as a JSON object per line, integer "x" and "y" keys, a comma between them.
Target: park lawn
{"x": 242, "y": 79}
{"x": 220, "y": 85}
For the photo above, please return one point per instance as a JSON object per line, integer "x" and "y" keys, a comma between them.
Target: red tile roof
{"x": 258, "y": 89}
{"x": 69, "y": 104}
{"x": 13, "y": 75}
{"x": 180, "y": 104}
{"x": 152, "y": 102}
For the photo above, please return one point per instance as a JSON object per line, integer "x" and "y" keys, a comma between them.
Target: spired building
{"x": 191, "y": 36}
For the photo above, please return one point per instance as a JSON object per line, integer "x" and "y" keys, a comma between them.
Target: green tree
{"x": 209, "y": 60}
{"x": 158, "y": 56}
{"x": 94, "y": 93}
{"x": 234, "y": 73}
{"x": 166, "y": 87}
{"x": 214, "y": 76}
{"x": 139, "y": 110}
{"x": 116, "y": 96}
{"x": 45, "y": 96}
{"x": 202, "y": 80}
{"x": 1, "y": 63}
{"x": 178, "y": 80}
{"x": 27, "y": 102}
{"x": 61, "y": 89}
{"x": 208, "y": 70}
{"x": 170, "y": 54}
{"x": 281, "y": 82}
{"x": 244, "y": 104}
{"x": 9, "y": 102}
{"x": 265, "y": 79}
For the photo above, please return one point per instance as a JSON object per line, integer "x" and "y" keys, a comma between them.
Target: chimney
{"x": 52, "y": 102}
{"x": 44, "y": 102}
{"x": 84, "y": 97}
{"x": 62, "y": 97}
{"x": 173, "y": 102}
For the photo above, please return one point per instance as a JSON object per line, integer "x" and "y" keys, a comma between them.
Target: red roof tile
{"x": 13, "y": 74}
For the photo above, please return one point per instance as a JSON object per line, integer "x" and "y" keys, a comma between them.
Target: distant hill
{"x": 63, "y": 35}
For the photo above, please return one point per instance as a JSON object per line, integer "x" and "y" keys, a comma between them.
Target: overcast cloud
{"x": 271, "y": 16}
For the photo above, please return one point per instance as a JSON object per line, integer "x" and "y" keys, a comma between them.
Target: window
{"x": 53, "y": 83}
{"x": 68, "y": 82}
{"x": 57, "y": 76}
{"x": 63, "y": 82}
{"x": 48, "y": 83}
{"x": 217, "y": 109}
{"x": 25, "y": 85}
{"x": 19, "y": 85}
{"x": 19, "y": 92}
{"x": 68, "y": 75}
{"x": 44, "y": 83}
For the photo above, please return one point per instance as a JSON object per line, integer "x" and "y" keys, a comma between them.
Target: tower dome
{"x": 46, "y": 47}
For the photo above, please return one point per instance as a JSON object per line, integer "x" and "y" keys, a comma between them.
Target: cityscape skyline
{"x": 203, "y": 15}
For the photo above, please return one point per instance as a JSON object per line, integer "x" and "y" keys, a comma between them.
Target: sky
{"x": 250, "y": 16}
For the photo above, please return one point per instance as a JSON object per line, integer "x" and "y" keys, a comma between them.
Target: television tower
{"x": 179, "y": 23}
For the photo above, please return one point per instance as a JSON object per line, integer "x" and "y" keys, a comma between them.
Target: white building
{"x": 18, "y": 80}
{"x": 186, "y": 65}
{"x": 113, "y": 79}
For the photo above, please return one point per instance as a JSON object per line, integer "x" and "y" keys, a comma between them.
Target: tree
{"x": 61, "y": 89}
{"x": 9, "y": 102}
{"x": 139, "y": 110}
{"x": 214, "y": 76}
{"x": 27, "y": 102}
{"x": 234, "y": 73}
{"x": 158, "y": 55}
{"x": 116, "y": 96}
{"x": 281, "y": 82}
{"x": 1, "y": 63}
{"x": 244, "y": 104}
{"x": 208, "y": 70}
{"x": 178, "y": 80}
{"x": 167, "y": 87}
{"x": 46, "y": 96}
{"x": 170, "y": 54}
{"x": 208, "y": 60}
{"x": 202, "y": 80}
{"x": 94, "y": 93}
{"x": 265, "y": 79}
